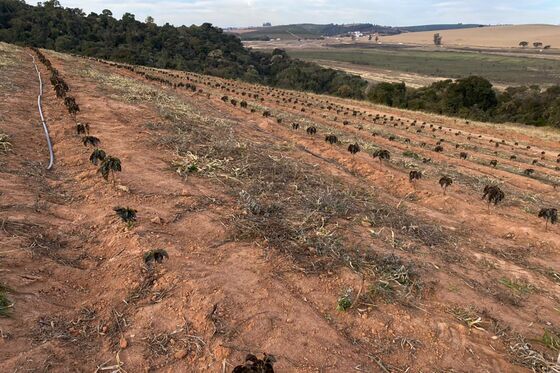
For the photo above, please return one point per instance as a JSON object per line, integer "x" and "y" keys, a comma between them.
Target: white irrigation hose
{"x": 39, "y": 97}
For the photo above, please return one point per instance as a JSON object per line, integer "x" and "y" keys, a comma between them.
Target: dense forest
{"x": 475, "y": 98}
{"x": 204, "y": 49}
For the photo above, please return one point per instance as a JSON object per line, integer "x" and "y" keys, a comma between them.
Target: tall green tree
{"x": 203, "y": 49}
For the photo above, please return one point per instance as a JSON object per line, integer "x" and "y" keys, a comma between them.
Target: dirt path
{"x": 376, "y": 75}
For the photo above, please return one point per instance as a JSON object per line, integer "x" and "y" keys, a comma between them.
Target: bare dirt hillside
{"x": 278, "y": 242}
{"x": 494, "y": 37}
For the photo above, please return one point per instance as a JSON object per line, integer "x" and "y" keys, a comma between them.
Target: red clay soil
{"x": 84, "y": 300}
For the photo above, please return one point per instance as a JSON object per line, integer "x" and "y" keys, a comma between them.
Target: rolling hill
{"x": 494, "y": 36}
{"x": 313, "y": 31}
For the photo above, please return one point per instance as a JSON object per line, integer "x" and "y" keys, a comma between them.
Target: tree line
{"x": 208, "y": 50}
{"x": 204, "y": 49}
{"x": 475, "y": 98}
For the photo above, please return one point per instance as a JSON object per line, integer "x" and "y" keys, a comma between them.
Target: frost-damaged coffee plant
{"x": 5, "y": 144}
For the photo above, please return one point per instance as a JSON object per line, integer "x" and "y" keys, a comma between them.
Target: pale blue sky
{"x": 225, "y": 13}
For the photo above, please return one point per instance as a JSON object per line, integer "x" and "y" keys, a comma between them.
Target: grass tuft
{"x": 190, "y": 163}
{"x": 5, "y": 304}
{"x": 467, "y": 315}
{"x": 518, "y": 286}
{"x": 396, "y": 280}
{"x": 5, "y": 144}
{"x": 551, "y": 340}
{"x": 344, "y": 302}
{"x": 410, "y": 154}
{"x": 527, "y": 356}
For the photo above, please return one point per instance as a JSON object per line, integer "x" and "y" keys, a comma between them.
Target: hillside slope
{"x": 269, "y": 229}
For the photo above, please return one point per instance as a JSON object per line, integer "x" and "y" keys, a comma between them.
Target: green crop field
{"x": 509, "y": 70}
{"x": 288, "y": 32}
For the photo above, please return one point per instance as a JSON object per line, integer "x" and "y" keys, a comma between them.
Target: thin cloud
{"x": 226, "y": 13}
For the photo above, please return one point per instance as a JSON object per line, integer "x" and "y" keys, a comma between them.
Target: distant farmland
{"x": 314, "y": 31}
{"x": 495, "y": 37}
{"x": 507, "y": 70}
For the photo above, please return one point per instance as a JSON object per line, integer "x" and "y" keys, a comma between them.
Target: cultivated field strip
{"x": 311, "y": 110}
{"x": 278, "y": 239}
{"x": 419, "y": 139}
